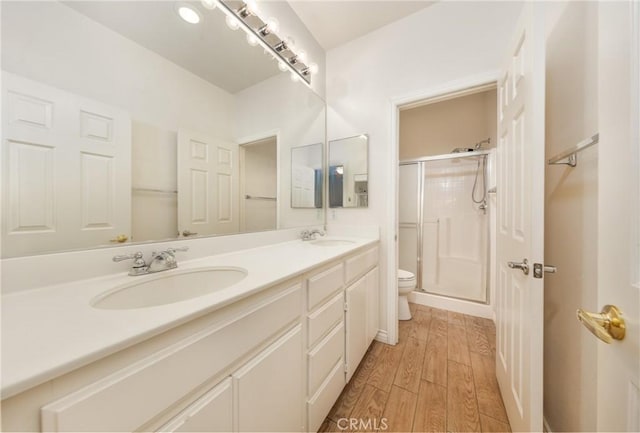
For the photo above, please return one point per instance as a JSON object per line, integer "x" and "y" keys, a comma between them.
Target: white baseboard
{"x": 382, "y": 337}
{"x": 545, "y": 425}
{"x": 457, "y": 305}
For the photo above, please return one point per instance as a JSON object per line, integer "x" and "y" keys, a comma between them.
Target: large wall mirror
{"x": 306, "y": 176}
{"x": 349, "y": 172}
{"x": 124, "y": 123}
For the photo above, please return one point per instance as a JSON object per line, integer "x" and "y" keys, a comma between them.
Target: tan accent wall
{"x": 440, "y": 127}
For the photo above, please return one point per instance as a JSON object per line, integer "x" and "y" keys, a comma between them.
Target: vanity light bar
{"x": 254, "y": 25}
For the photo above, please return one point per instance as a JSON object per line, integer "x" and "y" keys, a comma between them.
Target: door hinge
{"x": 346, "y": 306}
{"x": 346, "y": 369}
{"x": 539, "y": 269}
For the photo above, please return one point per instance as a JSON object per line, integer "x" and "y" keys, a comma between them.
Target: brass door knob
{"x": 120, "y": 239}
{"x": 608, "y": 325}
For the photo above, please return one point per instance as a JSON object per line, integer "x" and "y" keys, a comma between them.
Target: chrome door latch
{"x": 523, "y": 266}
{"x": 539, "y": 269}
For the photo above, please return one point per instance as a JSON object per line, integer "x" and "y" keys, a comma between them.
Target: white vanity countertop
{"x": 53, "y": 330}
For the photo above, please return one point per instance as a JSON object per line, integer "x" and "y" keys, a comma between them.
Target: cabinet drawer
{"x": 325, "y": 318}
{"x": 324, "y": 284}
{"x": 213, "y": 412}
{"x": 324, "y": 356}
{"x": 142, "y": 390}
{"x": 320, "y": 404}
{"x": 358, "y": 265}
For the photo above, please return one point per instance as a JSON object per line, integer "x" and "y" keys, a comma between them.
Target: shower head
{"x": 480, "y": 143}
{"x": 462, "y": 149}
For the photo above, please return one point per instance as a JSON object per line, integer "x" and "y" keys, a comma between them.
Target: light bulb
{"x": 232, "y": 22}
{"x": 209, "y": 4}
{"x": 252, "y": 7}
{"x": 294, "y": 77}
{"x": 302, "y": 56}
{"x": 273, "y": 25}
{"x": 313, "y": 68}
{"x": 282, "y": 66}
{"x": 252, "y": 39}
{"x": 189, "y": 14}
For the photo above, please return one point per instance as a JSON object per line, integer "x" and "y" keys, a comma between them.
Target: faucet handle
{"x": 139, "y": 265}
{"x": 133, "y": 256}
{"x": 172, "y": 251}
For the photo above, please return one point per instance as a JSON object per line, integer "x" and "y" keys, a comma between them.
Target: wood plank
{"x": 344, "y": 405}
{"x": 431, "y": 409}
{"x": 385, "y": 369}
{"x": 404, "y": 329}
{"x": 424, "y": 308}
{"x": 434, "y": 368}
{"x": 477, "y": 340}
{"x": 400, "y": 410}
{"x": 369, "y": 408}
{"x": 420, "y": 326}
{"x": 462, "y": 408}
{"x": 410, "y": 367}
{"x": 455, "y": 318}
{"x": 440, "y": 314}
{"x": 438, "y": 325}
{"x": 487, "y": 390}
{"x": 413, "y": 308}
{"x": 328, "y": 426}
{"x": 490, "y": 425}
{"x": 457, "y": 348}
{"x": 491, "y": 337}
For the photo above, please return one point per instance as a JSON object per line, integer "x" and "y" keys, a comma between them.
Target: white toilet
{"x": 406, "y": 283}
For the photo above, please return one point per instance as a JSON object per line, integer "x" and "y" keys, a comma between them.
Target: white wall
{"x": 445, "y": 42}
{"x": 436, "y": 129}
{"x": 571, "y": 210}
{"x": 279, "y": 107}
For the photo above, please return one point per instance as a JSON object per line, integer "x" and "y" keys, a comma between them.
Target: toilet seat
{"x": 406, "y": 279}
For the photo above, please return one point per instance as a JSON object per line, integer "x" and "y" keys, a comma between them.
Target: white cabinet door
{"x": 270, "y": 391}
{"x": 372, "y": 283}
{"x": 207, "y": 185}
{"x": 66, "y": 169}
{"x": 213, "y": 412}
{"x": 356, "y": 324}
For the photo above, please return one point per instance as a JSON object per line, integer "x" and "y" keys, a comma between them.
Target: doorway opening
{"x": 446, "y": 209}
{"x": 259, "y": 185}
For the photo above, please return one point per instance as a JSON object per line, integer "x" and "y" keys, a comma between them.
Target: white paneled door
{"x": 207, "y": 185}
{"x": 66, "y": 164}
{"x": 520, "y": 234}
{"x": 618, "y": 374}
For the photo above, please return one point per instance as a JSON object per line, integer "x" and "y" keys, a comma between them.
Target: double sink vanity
{"x": 262, "y": 339}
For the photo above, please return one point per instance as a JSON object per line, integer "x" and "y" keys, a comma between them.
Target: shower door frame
{"x": 421, "y": 162}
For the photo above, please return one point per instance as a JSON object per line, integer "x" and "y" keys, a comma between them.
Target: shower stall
{"x": 444, "y": 222}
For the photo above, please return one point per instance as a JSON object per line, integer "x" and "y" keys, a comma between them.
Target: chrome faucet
{"x": 162, "y": 261}
{"x": 309, "y": 235}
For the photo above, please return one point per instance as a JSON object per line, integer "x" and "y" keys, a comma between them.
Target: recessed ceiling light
{"x": 189, "y": 14}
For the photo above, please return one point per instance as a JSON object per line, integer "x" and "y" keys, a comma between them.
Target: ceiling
{"x": 208, "y": 49}
{"x": 335, "y": 22}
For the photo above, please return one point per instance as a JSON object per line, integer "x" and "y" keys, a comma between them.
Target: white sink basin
{"x": 331, "y": 242}
{"x": 168, "y": 287}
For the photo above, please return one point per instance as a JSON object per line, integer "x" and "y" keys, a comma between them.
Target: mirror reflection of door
{"x": 259, "y": 185}
{"x": 336, "y": 185}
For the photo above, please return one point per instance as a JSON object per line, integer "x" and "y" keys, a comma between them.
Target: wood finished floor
{"x": 440, "y": 377}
